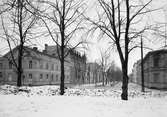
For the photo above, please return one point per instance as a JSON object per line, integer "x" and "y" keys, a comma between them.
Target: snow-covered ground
{"x": 83, "y": 101}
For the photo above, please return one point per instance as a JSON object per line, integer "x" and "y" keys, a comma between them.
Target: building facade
{"x": 77, "y": 63}
{"x": 93, "y": 73}
{"x": 39, "y": 68}
{"x": 155, "y": 70}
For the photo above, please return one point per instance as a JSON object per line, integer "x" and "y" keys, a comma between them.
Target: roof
{"x": 39, "y": 52}
{"x": 72, "y": 51}
{"x": 32, "y": 49}
{"x": 155, "y": 52}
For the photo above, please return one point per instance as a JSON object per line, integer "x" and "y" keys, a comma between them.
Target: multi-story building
{"x": 77, "y": 63}
{"x": 42, "y": 68}
{"x": 39, "y": 68}
{"x": 155, "y": 70}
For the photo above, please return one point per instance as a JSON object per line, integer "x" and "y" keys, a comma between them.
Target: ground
{"x": 81, "y": 101}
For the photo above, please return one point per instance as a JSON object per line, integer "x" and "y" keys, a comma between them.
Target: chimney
{"x": 46, "y": 46}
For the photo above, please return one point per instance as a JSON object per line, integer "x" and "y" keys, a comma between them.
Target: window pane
{"x": 30, "y": 64}
{"x": 41, "y": 66}
{"x": 0, "y": 74}
{"x": 156, "y": 60}
{"x": 52, "y": 77}
{"x": 10, "y": 64}
{"x": 41, "y": 76}
{"x": 30, "y": 76}
{"x": 1, "y": 66}
{"x": 47, "y": 66}
{"x": 52, "y": 66}
{"x": 156, "y": 78}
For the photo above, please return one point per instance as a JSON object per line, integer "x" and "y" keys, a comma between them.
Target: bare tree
{"x": 17, "y": 24}
{"x": 160, "y": 32}
{"x": 117, "y": 20}
{"x": 114, "y": 72}
{"x": 64, "y": 20}
{"x": 104, "y": 63}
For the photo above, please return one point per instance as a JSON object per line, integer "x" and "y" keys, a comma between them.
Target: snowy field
{"x": 81, "y": 101}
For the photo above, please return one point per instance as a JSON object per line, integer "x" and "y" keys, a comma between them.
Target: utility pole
{"x": 142, "y": 66}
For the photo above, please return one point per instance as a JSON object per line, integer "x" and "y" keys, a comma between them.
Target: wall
{"x": 155, "y": 70}
{"x": 45, "y": 70}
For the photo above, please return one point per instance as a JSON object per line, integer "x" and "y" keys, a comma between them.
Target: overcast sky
{"x": 93, "y": 52}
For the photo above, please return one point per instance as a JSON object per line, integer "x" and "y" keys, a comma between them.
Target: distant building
{"x": 155, "y": 70}
{"x": 136, "y": 72}
{"x": 42, "y": 68}
{"x": 93, "y": 73}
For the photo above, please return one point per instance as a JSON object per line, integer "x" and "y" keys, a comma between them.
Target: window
{"x": 30, "y": 64}
{"x": 57, "y": 67}
{"x": 47, "y": 66}
{"x": 79, "y": 76}
{"x": 67, "y": 69}
{"x": 41, "y": 76}
{"x": 67, "y": 77}
{"x": 156, "y": 60}
{"x": 0, "y": 65}
{"x": 0, "y": 74}
{"x": 47, "y": 76}
{"x": 23, "y": 77}
{"x": 30, "y": 76}
{"x": 87, "y": 73}
{"x": 57, "y": 77}
{"x": 10, "y": 64}
{"x": 52, "y": 66}
{"x": 156, "y": 78}
{"x": 165, "y": 77}
{"x": 52, "y": 77}
{"x": 10, "y": 77}
{"x": 41, "y": 66}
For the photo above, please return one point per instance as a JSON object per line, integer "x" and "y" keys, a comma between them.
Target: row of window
{"x": 41, "y": 76}
{"x": 47, "y": 67}
{"x": 41, "y": 66}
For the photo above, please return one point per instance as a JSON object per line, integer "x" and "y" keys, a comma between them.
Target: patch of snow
{"x": 84, "y": 101}
{"x": 80, "y": 106}
{"x": 86, "y": 90}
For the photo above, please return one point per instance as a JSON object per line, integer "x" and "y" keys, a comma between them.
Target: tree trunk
{"x": 62, "y": 57}
{"x": 20, "y": 48}
{"x": 142, "y": 67}
{"x": 62, "y": 77}
{"x": 124, "y": 63}
{"x": 62, "y": 63}
{"x": 19, "y": 69}
{"x": 19, "y": 74}
{"x": 124, "y": 95}
{"x": 103, "y": 78}
{"x": 106, "y": 80}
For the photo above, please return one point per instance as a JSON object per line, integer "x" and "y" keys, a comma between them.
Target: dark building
{"x": 155, "y": 70}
